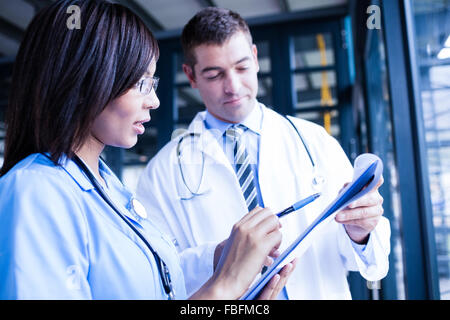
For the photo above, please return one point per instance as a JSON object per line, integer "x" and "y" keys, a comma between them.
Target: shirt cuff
{"x": 359, "y": 248}
{"x": 198, "y": 265}
{"x": 365, "y": 252}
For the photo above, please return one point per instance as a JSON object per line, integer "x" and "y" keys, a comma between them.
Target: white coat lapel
{"x": 207, "y": 219}
{"x": 272, "y": 164}
{"x": 283, "y": 163}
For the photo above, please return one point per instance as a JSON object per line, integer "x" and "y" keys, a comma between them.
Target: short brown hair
{"x": 211, "y": 25}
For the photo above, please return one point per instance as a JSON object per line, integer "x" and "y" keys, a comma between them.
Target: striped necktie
{"x": 243, "y": 168}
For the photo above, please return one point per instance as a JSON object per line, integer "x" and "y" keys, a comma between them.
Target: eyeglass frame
{"x": 154, "y": 85}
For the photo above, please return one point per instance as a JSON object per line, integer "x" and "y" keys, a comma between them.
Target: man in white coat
{"x": 194, "y": 189}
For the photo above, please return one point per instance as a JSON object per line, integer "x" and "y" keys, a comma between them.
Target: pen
{"x": 298, "y": 205}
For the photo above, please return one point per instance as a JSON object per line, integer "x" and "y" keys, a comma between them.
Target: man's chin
{"x": 234, "y": 117}
{"x": 236, "y": 114}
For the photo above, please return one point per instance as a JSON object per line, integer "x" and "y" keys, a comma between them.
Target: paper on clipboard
{"x": 368, "y": 169}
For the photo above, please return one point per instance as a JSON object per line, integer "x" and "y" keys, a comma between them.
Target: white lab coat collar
{"x": 207, "y": 142}
{"x": 252, "y": 121}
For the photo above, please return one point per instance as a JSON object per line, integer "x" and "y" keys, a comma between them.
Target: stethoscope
{"x": 317, "y": 181}
{"x": 196, "y": 193}
{"x": 162, "y": 267}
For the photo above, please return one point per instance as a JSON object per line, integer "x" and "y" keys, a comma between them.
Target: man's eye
{"x": 243, "y": 68}
{"x": 213, "y": 76}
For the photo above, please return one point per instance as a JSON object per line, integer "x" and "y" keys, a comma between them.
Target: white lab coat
{"x": 285, "y": 176}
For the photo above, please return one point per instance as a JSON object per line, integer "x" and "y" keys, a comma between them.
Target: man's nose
{"x": 232, "y": 83}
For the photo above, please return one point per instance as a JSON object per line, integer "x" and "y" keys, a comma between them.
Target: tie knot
{"x": 235, "y": 131}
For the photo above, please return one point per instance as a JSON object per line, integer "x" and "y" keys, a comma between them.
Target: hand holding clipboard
{"x": 368, "y": 171}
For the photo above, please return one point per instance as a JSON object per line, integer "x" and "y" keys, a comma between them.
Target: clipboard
{"x": 368, "y": 169}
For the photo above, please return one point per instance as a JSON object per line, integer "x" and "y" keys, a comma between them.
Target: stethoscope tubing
{"x": 303, "y": 141}
{"x": 193, "y": 194}
{"x": 192, "y": 135}
{"x": 162, "y": 267}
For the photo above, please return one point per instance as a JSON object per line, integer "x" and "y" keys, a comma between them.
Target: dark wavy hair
{"x": 211, "y": 25}
{"x": 64, "y": 77}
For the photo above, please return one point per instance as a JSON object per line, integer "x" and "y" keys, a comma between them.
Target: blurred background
{"x": 375, "y": 74}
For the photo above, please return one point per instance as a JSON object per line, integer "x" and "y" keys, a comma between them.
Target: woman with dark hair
{"x": 69, "y": 229}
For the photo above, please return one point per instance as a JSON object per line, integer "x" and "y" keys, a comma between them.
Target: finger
{"x": 275, "y": 253}
{"x": 250, "y": 214}
{"x": 380, "y": 182}
{"x": 359, "y": 213}
{"x": 268, "y": 289}
{"x": 343, "y": 187}
{"x": 253, "y": 217}
{"x": 271, "y": 240}
{"x": 372, "y": 198}
{"x": 268, "y": 261}
{"x": 263, "y": 216}
{"x": 366, "y": 224}
{"x": 268, "y": 224}
{"x": 278, "y": 281}
{"x": 285, "y": 272}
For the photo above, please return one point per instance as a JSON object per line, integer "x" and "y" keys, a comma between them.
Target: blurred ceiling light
{"x": 447, "y": 42}
{"x": 444, "y": 54}
{"x": 445, "y": 51}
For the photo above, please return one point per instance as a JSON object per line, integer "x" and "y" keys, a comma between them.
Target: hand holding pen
{"x": 296, "y": 206}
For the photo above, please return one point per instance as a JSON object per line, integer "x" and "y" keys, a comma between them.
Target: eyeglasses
{"x": 146, "y": 85}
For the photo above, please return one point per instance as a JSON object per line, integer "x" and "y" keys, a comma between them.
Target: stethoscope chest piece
{"x": 318, "y": 182}
{"x": 138, "y": 208}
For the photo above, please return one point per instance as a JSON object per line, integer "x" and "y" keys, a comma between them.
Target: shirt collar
{"x": 79, "y": 176}
{"x": 72, "y": 170}
{"x": 253, "y": 121}
{"x": 124, "y": 196}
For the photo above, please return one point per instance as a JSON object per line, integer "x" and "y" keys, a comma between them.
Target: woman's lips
{"x": 139, "y": 126}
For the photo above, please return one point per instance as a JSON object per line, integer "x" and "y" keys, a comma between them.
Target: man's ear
{"x": 190, "y": 75}
{"x": 255, "y": 56}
